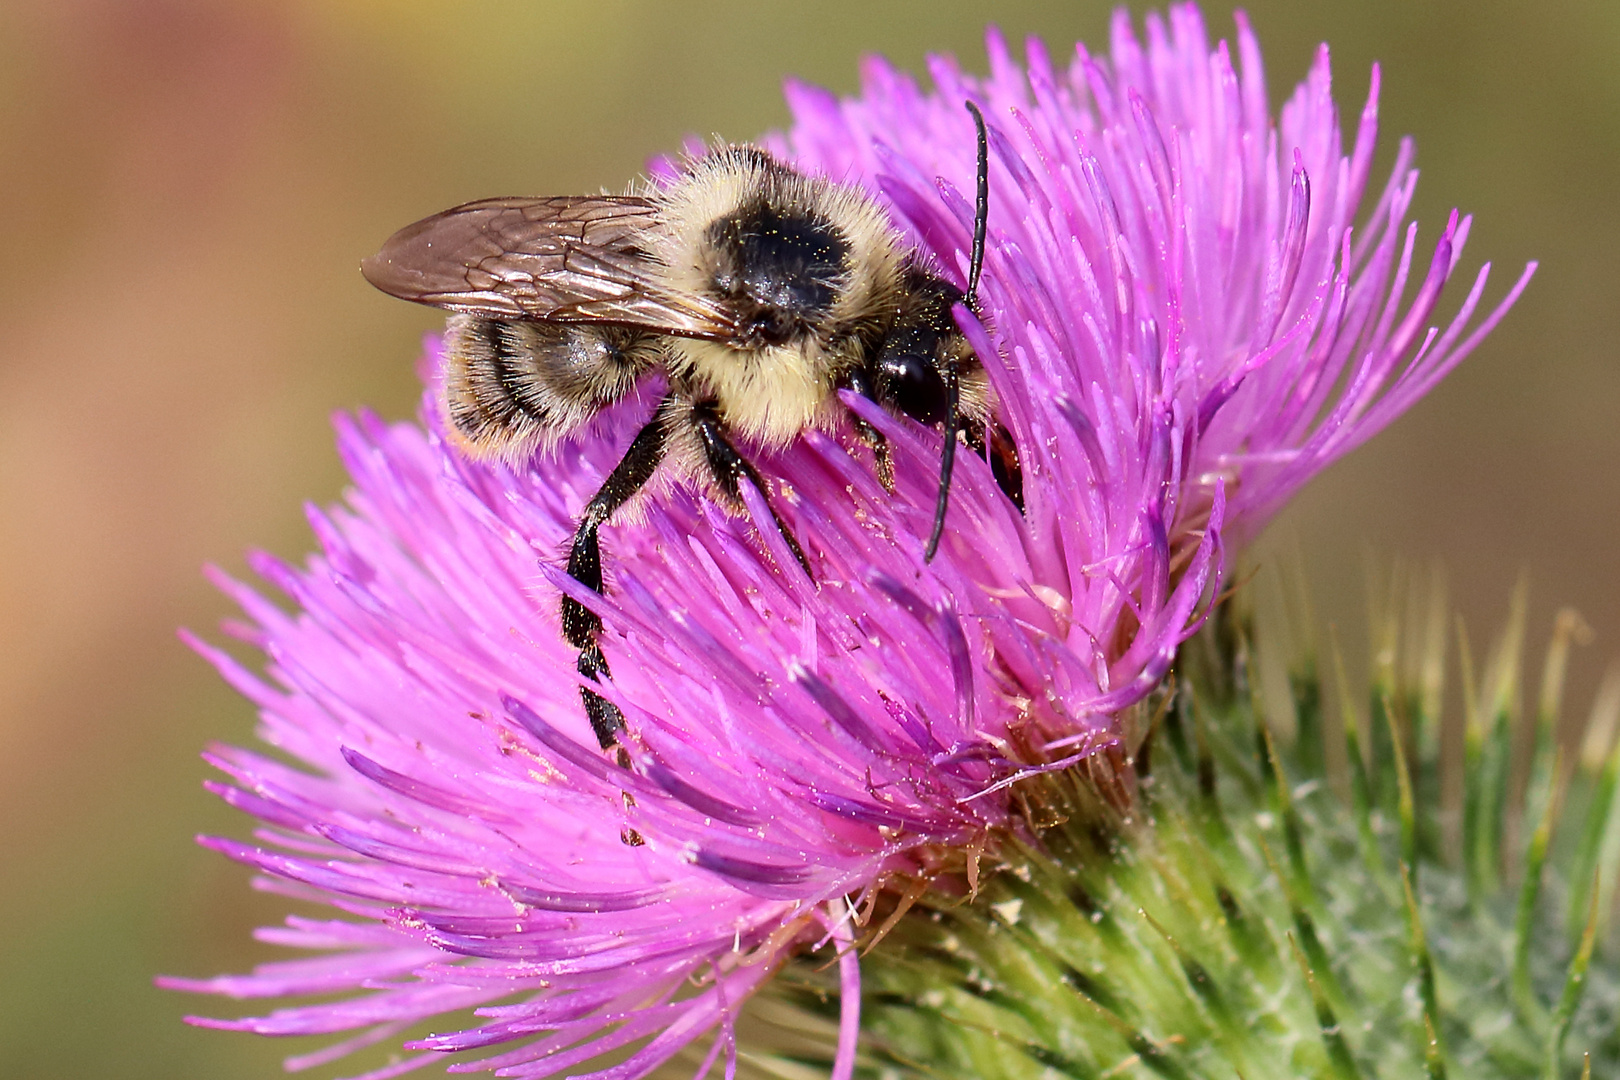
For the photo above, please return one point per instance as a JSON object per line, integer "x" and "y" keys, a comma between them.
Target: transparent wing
{"x": 567, "y": 259}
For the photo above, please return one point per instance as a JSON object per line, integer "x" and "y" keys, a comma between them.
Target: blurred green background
{"x": 190, "y": 185}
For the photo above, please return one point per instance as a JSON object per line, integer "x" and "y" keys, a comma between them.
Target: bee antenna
{"x": 981, "y": 219}
{"x": 981, "y": 208}
{"x": 947, "y": 458}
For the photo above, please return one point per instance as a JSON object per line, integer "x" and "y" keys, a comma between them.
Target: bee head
{"x": 922, "y": 344}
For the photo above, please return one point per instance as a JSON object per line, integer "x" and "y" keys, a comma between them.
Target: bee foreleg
{"x": 580, "y": 625}
{"x": 882, "y": 458}
{"x": 977, "y": 436}
{"x": 728, "y": 468}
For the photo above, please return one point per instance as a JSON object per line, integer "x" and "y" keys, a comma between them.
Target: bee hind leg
{"x": 728, "y": 467}
{"x": 581, "y": 625}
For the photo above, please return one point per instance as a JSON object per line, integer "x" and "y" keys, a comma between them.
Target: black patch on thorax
{"x": 781, "y": 270}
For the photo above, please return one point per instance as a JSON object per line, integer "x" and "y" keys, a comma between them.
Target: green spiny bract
{"x": 1262, "y": 893}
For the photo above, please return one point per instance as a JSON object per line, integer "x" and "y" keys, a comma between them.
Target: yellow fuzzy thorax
{"x": 771, "y": 393}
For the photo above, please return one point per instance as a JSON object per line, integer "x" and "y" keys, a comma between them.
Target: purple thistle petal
{"x": 1181, "y": 322}
{"x": 849, "y": 992}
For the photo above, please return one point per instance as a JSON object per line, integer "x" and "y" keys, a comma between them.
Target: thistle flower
{"x": 1180, "y": 327}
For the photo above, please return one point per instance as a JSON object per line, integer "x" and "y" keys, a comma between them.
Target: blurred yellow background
{"x": 190, "y": 185}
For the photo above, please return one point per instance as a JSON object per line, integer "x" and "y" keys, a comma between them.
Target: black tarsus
{"x": 580, "y": 625}
{"x": 729, "y": 467}
{"x": 981, "y": 220}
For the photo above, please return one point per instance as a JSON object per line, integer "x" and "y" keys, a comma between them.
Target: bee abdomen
{"x": 512, "y": 387}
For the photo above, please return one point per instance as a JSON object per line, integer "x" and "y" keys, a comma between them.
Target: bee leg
{"x": 580, "y": 625}
{"x": 882, "y": 458}
{"x": 1004, "y": 465}
{"x": 728, "y": 467}
{"x": 975, "y": 435}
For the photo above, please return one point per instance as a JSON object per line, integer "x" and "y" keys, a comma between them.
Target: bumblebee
{"x": 757, "y": 291}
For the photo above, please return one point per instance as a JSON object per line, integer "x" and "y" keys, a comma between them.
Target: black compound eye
{"x": 909, "y": 380}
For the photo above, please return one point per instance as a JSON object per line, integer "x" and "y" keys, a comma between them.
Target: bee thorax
{"x": 769, "y": 395}
{"x": 781, "y": 271}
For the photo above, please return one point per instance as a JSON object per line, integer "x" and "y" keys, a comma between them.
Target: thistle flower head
{"x": 1180, "y": 325}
